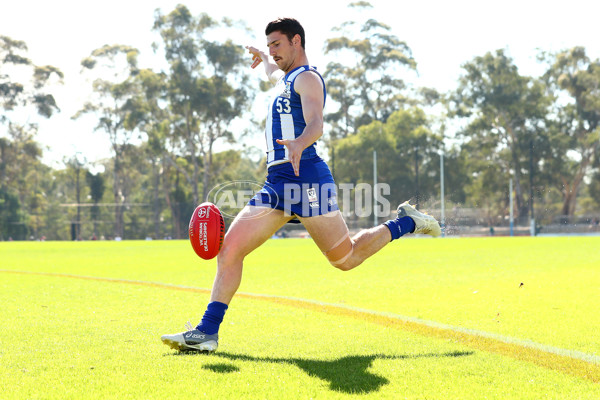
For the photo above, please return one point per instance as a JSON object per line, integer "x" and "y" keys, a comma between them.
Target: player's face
{"x": 281, "y": 50}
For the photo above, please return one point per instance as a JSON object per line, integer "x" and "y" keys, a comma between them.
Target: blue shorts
{"x": 310, "y": 194}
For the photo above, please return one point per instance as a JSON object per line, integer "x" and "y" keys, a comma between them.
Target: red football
{"x": 207, "y": 230}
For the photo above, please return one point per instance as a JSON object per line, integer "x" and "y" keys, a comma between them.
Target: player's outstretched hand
{"x": 256, "y": 56}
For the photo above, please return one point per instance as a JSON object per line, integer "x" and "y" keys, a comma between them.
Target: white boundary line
{"x": 591, "y": 358}
{"x": 575, "y": 354}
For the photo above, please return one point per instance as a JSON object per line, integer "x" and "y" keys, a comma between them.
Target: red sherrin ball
{"x": 207, "y": 230}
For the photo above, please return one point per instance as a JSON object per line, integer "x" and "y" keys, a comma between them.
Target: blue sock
{"x": 400, "y": 226}
{"x": 212, "y": 318}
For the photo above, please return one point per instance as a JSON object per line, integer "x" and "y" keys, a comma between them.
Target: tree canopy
{"x": 174, "y": 131}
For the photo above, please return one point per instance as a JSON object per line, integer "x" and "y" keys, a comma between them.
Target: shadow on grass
{"x": 221, "y": 368}
{"x": 348, "y": 374}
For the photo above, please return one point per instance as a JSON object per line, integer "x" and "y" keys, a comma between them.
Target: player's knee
{"x": 341, "y": 255}
{"x": 229, "y": 253}
{"x": 346, "y": 265}
{"x": 223, "y": 256}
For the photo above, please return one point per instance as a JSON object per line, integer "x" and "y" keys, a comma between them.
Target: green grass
{"x": 65, "y": 337}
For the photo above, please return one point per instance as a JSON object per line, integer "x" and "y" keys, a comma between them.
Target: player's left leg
{"x": 330, "y": 233}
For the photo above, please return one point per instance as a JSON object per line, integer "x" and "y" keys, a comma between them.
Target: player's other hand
{"x": 294, "y": 153}
{"x": 256, "y": 56}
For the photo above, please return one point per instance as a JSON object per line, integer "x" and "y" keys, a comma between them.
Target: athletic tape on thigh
{"x": 336, "y": 246}
{"x": 338, "y": 243}
{"x": 343, "y": 259}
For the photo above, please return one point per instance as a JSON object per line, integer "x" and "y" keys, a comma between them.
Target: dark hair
{"x": 288, "y": 26}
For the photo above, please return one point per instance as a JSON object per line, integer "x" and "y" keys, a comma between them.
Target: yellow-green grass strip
{"x": 571, "y": 362}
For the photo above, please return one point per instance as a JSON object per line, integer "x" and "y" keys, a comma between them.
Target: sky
{"x": 443, "y": 35}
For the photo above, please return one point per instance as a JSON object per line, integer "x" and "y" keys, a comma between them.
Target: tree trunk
{"x": 522, "y": 207}
{"x": 195, "y": 179}
{"x": 192, "y": 151}
{"x": 207, "y": 171}
{"x": 156, "y": 202}
{"x": 570, "y": 189}
{"x": 117, "y": 195}
{"x": 78, "y": 199}
{"x": 166, "y": 190}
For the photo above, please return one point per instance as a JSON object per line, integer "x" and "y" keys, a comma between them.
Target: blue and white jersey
{"x": 285, "y": 119}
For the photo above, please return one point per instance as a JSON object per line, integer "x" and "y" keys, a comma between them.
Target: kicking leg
{"x": 251, "y": 228}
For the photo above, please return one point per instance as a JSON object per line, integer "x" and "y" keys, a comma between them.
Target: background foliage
{"x": 165, "y": 127}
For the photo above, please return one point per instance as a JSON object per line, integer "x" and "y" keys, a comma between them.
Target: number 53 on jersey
{"x": 283, "y": 105}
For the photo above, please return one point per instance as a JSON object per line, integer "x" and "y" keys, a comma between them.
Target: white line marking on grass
{"x": 591, "y": 358}
{"x": 574, "y": 354}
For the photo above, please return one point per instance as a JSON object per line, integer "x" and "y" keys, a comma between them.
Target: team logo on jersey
{"x": 287, "y": 92}
{"x": 312, "y": 195}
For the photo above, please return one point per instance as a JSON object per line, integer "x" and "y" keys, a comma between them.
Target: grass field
{"x": 495, "y": 318}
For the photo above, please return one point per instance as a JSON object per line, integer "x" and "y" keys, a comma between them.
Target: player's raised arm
{"x": 271, "y": 69}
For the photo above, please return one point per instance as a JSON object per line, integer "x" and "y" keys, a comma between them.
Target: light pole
{"x": 375, "y": 222}
{"x": 532, "y": 217}
{"x": 443, "y": 207}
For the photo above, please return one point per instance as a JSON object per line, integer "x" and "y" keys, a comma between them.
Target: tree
{"x": 75, "y": 165}
{"x": 12, "y": 220}
{"x": 369, "y": 88}
{"x": 487, "y": 188}
{"x": 575, "y": 139}
{"x": 417, "y": 149}
{"x": 96, "y": 185}
{"x": 22, "y": 173}
{"x": 594, "y": 189}
{"x": 112, "y": 103}
{"x": 14, "y": 94}
{"x": 135, "y": 192}
{"x": 456, "y": 175}
{"x": 207, "y": 90}
{"x": 504, "y": 111}
{"x": 150, "y": 114}
{"x": 405, "y": 134}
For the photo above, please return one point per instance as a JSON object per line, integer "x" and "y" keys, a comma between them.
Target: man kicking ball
{"x": 299, "y": 186}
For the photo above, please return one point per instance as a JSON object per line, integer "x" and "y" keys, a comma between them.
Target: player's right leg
{"x": 251, "y": 228}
